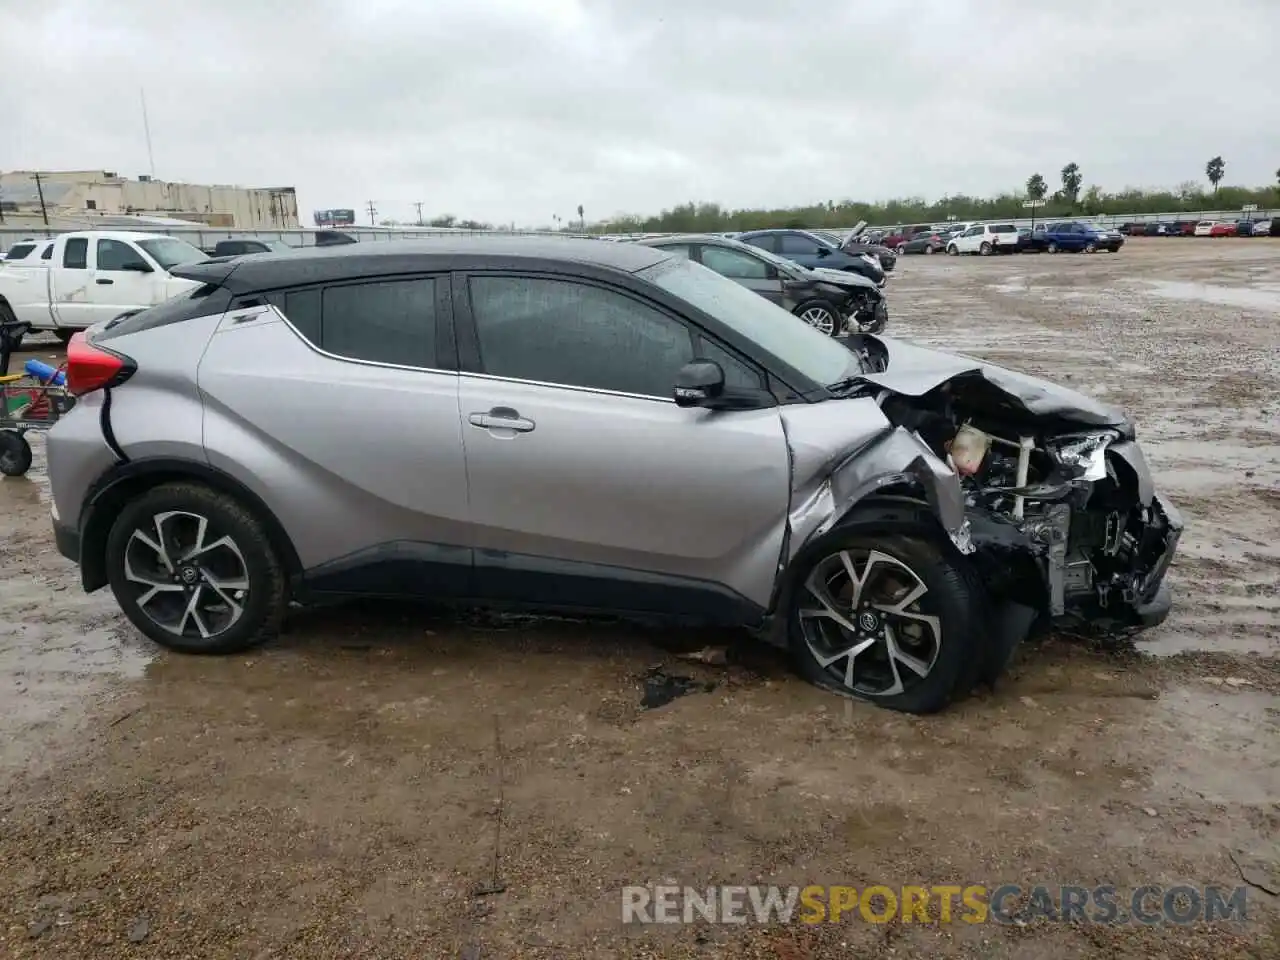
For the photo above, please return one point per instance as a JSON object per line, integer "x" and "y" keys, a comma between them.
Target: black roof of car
{"x": 381, "y": 258}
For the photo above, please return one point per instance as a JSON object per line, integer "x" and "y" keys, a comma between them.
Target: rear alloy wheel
{"x": 889, "y": 619}
{"x": 929, "y": 248}
{"x": 1090, "y": 248}
{"x": 953, "y": 250}
{"x": 194, "y": 571}
{"x": 821, "y": 317}
{"x": 1053, "y": 248}
{"x": 985, "y": 249}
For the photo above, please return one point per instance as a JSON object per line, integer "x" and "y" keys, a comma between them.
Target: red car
{"x": 1223, "y": 230}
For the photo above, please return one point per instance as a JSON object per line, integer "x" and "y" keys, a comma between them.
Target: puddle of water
{"x": 1211, "y": 293}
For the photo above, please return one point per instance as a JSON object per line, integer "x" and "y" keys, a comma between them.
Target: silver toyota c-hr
{"x": 590, "y": 426}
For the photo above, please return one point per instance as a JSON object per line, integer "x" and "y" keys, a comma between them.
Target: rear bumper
{"x": 67, "y": 540}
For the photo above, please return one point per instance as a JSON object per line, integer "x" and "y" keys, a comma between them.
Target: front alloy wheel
{"x": 891, "y": 618}
{"x": 870, "y": 622}
{"x": 821, "y": 318}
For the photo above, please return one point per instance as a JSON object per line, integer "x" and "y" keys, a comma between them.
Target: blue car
{"x": 812, "y": 251}
{"x": 1072, "y": 236}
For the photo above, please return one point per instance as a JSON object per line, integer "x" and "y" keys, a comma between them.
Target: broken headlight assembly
{"x": 1083, "y": 455}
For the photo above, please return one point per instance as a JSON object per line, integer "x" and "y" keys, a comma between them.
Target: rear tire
{"x": 15, "y": 454}
{"x": 65, "y": 334}
{"x": 953, "y": 250}
{"x": 985, "y": 250}
{"x": 195, "y": 571}
{"x": 915, "y": 657}
{"x": 1053, "y": 248}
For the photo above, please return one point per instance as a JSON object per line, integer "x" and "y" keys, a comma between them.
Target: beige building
{"x": 82, "y": 195}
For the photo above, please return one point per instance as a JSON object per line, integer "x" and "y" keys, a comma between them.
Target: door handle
{"x": 105, "y": 281}
{"x": 501, "y": 418}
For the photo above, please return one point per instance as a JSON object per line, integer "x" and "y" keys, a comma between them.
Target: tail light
{"x": 91, "y": 368}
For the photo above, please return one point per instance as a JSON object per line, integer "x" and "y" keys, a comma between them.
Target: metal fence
{"x": 206, "y": 237}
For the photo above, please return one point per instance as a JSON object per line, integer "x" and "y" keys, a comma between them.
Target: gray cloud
{"x": 519, "y": 109}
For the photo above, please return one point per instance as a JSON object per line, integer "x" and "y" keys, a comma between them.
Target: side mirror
{"x": 136, "y": 266}
{"x": 698, "y": 382}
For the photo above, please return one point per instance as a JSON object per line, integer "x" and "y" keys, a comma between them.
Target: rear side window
{"x": 203, "y": 301}
{"x": 47, "y": 252}
{"x": 798, "y": 244}
{"x": 1004, "y": 228}
{"x": 75, "y": 255}
{"x": 384, "y": 321}
{"x": 19, "y": 251}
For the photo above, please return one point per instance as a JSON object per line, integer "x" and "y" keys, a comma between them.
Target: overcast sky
{"x": 515, "y": 110}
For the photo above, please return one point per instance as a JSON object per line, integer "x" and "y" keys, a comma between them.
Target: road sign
{"x": 1249, "y": 207}
{"x": 1033, "y": 203}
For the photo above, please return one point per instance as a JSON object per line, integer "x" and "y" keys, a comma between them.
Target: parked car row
{"x": 985, "y": 239}
{"x": 1267, "y": 227}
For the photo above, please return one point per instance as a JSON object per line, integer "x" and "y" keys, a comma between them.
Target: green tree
{"x": 1214, "y": 171}
{"x": 444, "y": 220}
{"x": 1071, "y": 181}
{"x": 1036, "y": 187}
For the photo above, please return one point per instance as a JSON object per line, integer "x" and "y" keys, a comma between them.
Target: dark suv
{"x": 810, "y": 250}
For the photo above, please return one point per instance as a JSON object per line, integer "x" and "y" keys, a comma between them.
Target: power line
{"x": 373, "y": 212}
{"x": 419, "y": 206}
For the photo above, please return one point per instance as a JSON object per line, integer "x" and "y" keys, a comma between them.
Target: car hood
{"x": 913, "y": 370}
{"x": 854, "y": 233}
{"x": 842, "y": 278}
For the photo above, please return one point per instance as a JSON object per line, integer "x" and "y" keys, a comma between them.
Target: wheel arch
{"x": 127, "y": 481}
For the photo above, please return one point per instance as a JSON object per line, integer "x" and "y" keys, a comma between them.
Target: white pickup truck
{"x": 77, "y": 279}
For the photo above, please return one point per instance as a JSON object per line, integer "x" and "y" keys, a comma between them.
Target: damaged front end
{"x": 1062, "y": 512}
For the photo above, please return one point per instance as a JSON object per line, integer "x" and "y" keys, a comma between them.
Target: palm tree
{"x": 1036, "y": 187}
{"x": 1071, "y": 181}
{"x": 1214, "y": 170}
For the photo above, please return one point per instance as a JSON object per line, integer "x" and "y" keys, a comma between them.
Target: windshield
{"x": 815, "y": 355}
{"x": 169, "y": 252}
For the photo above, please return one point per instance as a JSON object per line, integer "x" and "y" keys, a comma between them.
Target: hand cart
{"x": 31, "y": 400}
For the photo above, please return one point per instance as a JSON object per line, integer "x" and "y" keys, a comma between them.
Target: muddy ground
{"x": 334, "y": 795}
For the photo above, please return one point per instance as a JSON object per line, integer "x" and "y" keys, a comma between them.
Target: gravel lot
{"x": 334, "y": 795}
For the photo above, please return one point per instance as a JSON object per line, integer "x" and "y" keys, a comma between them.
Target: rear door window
{"x": 19, "y": 251}
{"x": 378, "y": 321}
{"x": 734, "y": 264}
{"x": 387, "y": 321}
{"x": 75, "y": 255}
{"x": 798, "y": 245}
{"x": 766, "y": 241}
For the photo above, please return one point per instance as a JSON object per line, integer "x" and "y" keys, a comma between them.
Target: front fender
{"x": 896, "y": 458}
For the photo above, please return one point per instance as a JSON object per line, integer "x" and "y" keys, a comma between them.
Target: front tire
{"x": 821, "y": 316}
{"x": 953, "y": 250}
{"x": 985, "y": 250}
{"x": 195, "y": 571}
{"x": 890, "y": 618}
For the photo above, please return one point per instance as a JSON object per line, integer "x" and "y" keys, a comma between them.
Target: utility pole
{"x": 373, "y": 212}
{"x": 418, "y": 205}
{"x": 40, "y": 190}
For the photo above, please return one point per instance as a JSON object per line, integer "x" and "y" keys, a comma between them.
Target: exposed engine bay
{"x": 1061, "y": 508}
